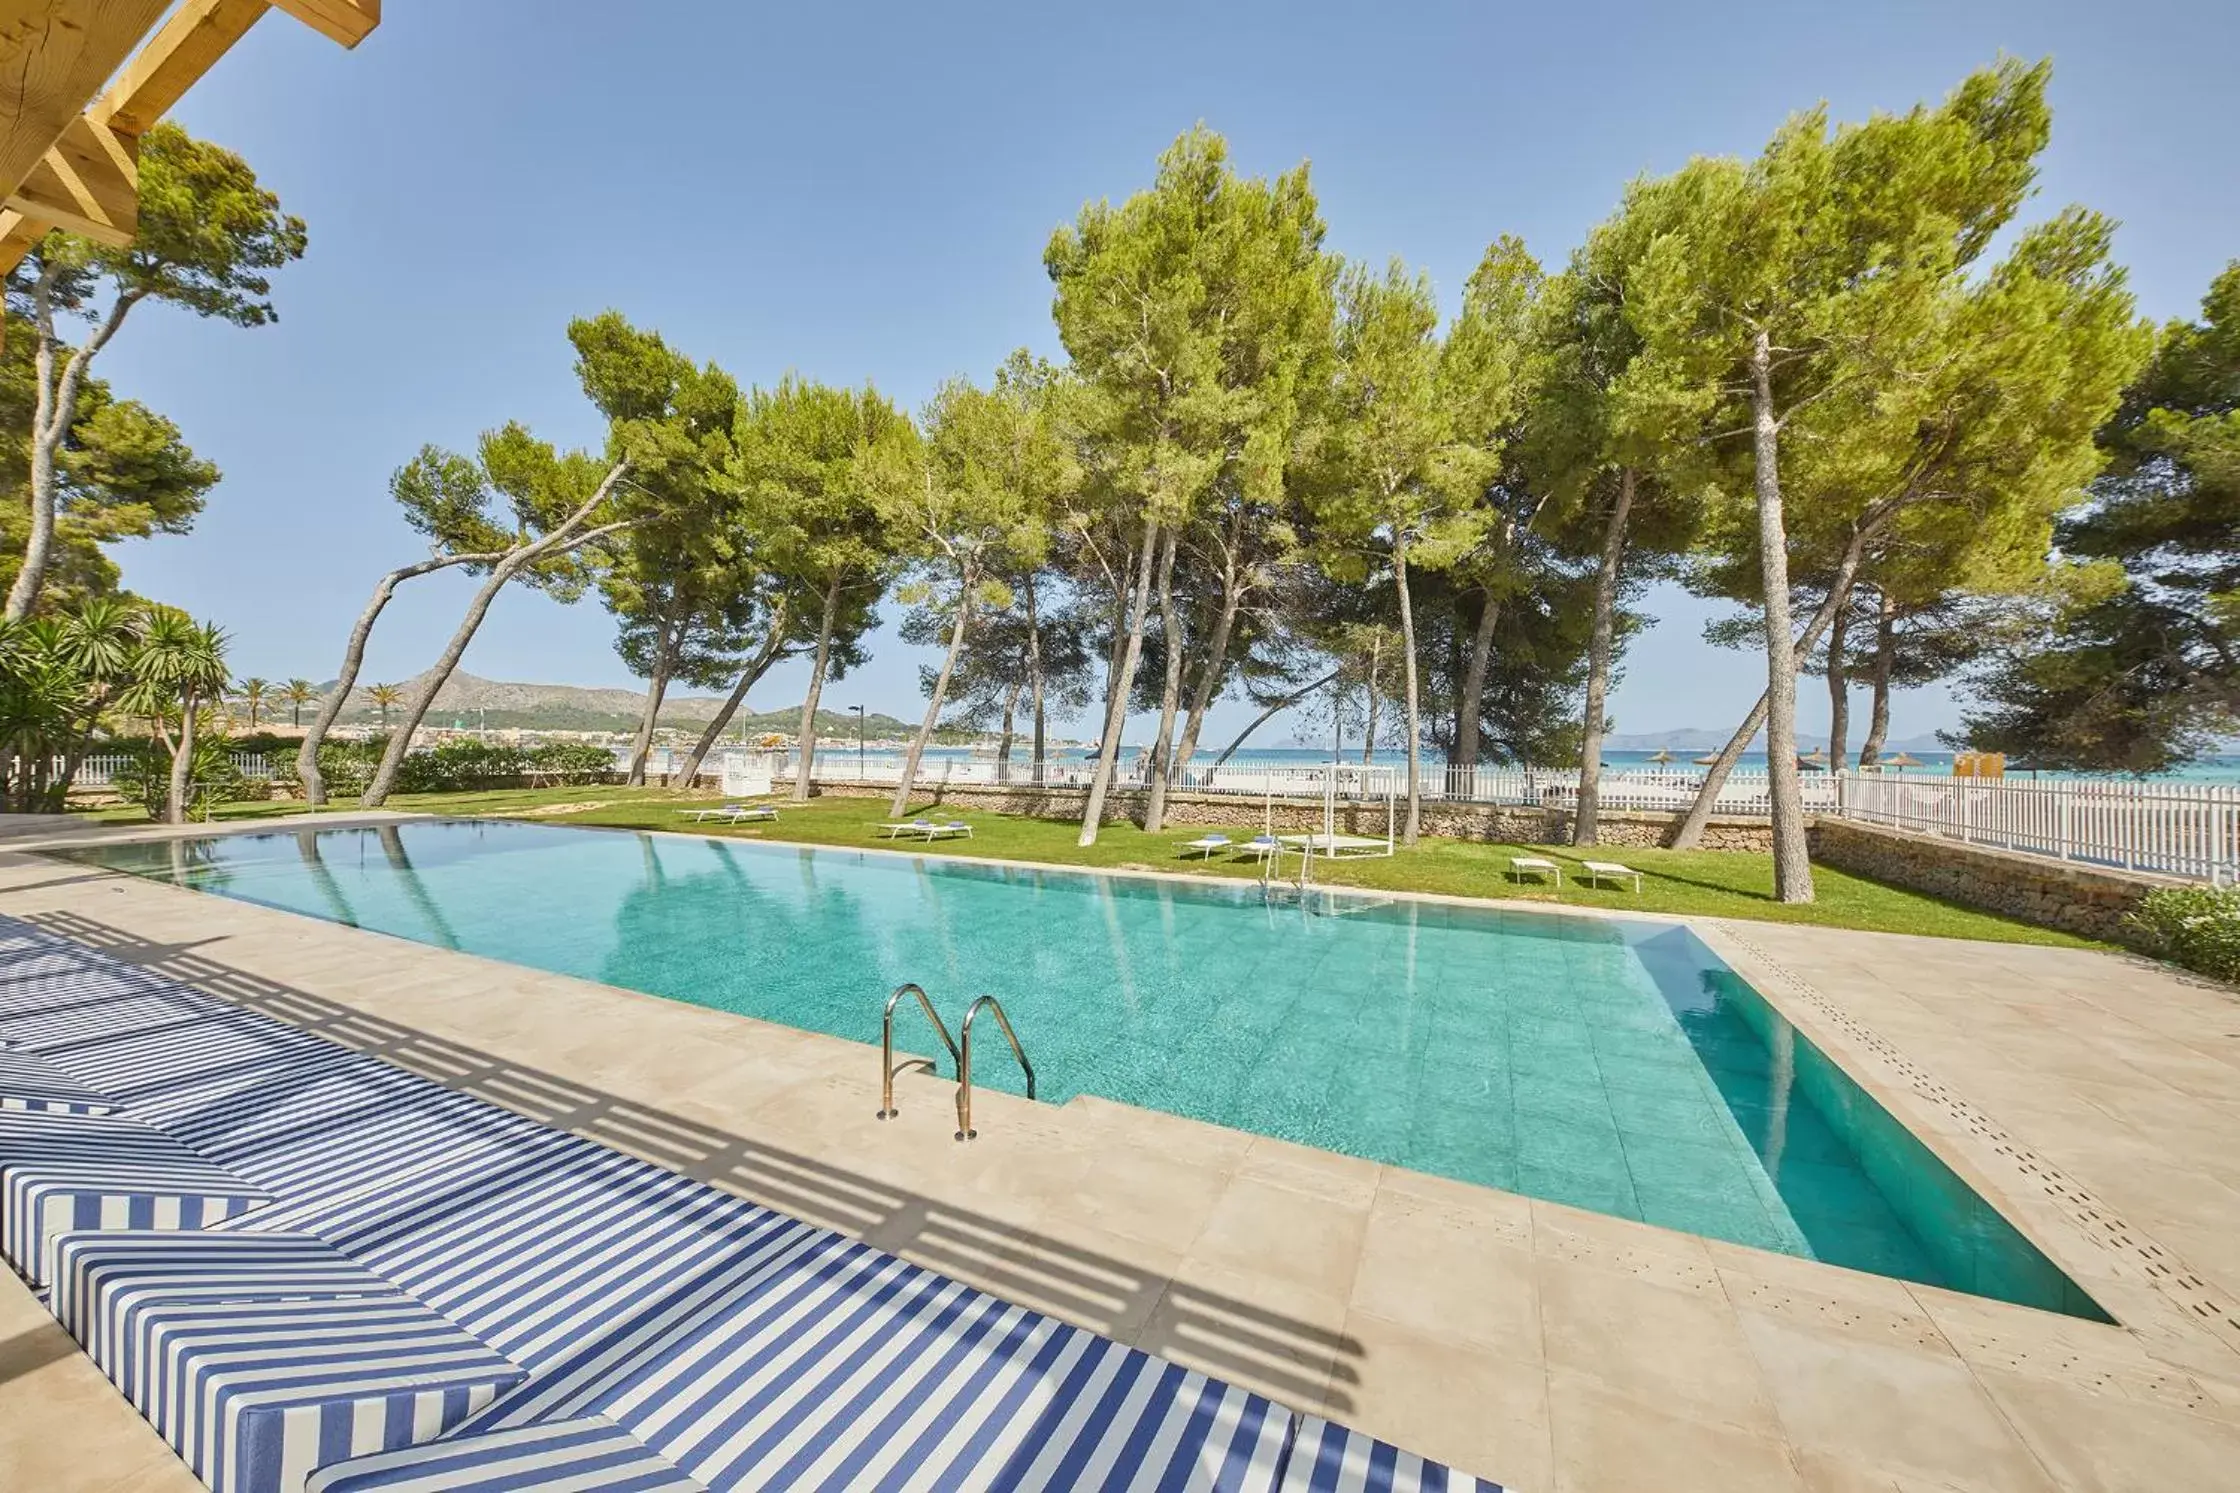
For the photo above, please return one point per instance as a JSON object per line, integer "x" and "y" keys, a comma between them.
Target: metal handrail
{"x": 964, "y": 1063}
{"x": 887, "y": 1111}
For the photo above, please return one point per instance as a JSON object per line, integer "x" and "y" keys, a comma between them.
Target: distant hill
{"x": 468, "y": 699}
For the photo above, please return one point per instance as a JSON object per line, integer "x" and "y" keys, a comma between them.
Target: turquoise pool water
{"x": 1618, "y": 1066}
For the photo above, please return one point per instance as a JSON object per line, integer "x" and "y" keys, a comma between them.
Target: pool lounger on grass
{"x": 572, "y": 1455}
{"x": 1610, "y": 871}
{"x": 734, "y": 813}
{"x": 60, "y": 1172}
{"x": 930, "y": 829}
{"x": 1521, "y": 866}
{"x": 1208, "y": 844}
{"x": 293, "y": 1358}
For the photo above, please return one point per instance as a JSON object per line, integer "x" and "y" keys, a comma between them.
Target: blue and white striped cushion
{"x": 836, "y": 1365}
{"x": 202, "y": 1053}
{"x": 262, "y": 1356}
{"x": 566, "y": 1456}
{"x": 255, "y": 1395}
{"x": 334, "y": 1130}
{"x": 30, "y": 1083}
{"x": 104, "y": 1281}
{"x": 1328, "y": 1458}
{"x": 63, "y": 1172}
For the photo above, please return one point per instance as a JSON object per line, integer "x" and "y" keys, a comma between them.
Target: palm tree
{"x": 254, "y": 693}
{"x": 383, "y": 696}
{"x": 57, "y": 676}
{"x": 299, "y": 693}
{"x": 179, "y": 668}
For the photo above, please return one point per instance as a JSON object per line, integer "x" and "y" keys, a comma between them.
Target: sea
{"x": 2220, "y": 768}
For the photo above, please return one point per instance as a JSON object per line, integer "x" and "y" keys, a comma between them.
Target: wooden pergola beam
{"x": 54, "y": 54}
{"x": 345, "y": 21}
{"x": 89, "y": 183}
{"x": 197, "y": 34}
{"x": 54, "y": 57}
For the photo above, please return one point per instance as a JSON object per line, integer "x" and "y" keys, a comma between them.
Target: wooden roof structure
{"x": 81, "y": 80}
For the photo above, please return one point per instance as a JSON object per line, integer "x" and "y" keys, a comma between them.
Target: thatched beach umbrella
{"x": 1661, "y": 756}
{"x": 1901, "y": 761}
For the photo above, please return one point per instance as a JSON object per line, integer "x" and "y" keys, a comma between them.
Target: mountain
{"x": 468, "y": 699}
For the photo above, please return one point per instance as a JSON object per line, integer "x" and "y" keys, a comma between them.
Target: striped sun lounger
{"x": 60, "y": 1172}
{"x": 568, "y": 1455}
{"x": 697, "y": 1339}
{"x": 30, "y": 1083}
{"x": 259, "y": 1382}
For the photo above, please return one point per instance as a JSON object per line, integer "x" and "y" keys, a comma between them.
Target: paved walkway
{"x": 2094, "y": 1098}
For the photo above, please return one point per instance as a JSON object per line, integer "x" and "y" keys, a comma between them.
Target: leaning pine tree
{"x": 1819, "y": 314}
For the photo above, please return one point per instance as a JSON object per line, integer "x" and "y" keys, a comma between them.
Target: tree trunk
{"x": 1117, "y": 655}
{"x": 1792, "y": 866}
{"x": 1690, "y": 832}
{"x": 54, "y": 407}
{"x": 1370, "y": 701}
{"x": 182, "y": 762}
{"x": 1208, "y": 683}
{"x": 1216, "y": 659}
{"x": 1410, "y": 827}
{"x": 564, "y": 537}
{"x": 1170, "y": 695}
{"x": 1885, "y": 659}
{"x": 1270, "y": 714}
{"x": 1585, "y": 823}
{"x": 805, "y": 740}
{"x": 641, "y": 746}
{"x": 353, "y": 659}
{"x": 1839, "y": 690}
{"x": 1123, "y": 680}
{"x": 1034, "y": 677}
{"x": 1010, "y": 721}
{"x": 1472, "y": 704}
{"x": 772, "y": 646}
{"x": 966, "y": 579}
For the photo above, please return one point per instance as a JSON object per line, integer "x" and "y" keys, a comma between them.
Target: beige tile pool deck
{"x": 2094, "y": 1098}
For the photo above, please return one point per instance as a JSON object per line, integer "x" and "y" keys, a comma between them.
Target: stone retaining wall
{"x": 2088, "y": 900}
{"x": 1516, "y": 824}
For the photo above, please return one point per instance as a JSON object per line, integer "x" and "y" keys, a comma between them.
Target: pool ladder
{"x": 960, "y": 1052}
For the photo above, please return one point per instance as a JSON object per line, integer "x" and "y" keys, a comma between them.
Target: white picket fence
{"x": 2180, "y": 829}
{"x": 100, "y": 770}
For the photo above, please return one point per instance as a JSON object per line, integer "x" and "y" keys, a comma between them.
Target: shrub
{"x": 348, "y": 765}
{"x": 145, "y": 777}
{"x": 572, "y": 761}
{"x": 2198, "y": 926}
{"x": 457, "y": 765}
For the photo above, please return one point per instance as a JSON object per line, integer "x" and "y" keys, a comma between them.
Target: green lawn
{"x": 1702, "y": 883}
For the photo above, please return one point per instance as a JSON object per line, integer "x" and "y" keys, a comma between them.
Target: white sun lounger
{"x": 733, "y": 813}
{"x": 1206, "y": 845}
{"x": 1610, "y": 871}
{"x": 926, "y": 828}
{"x": 1521, "y": 866}
{"x": 1260, "y": 847}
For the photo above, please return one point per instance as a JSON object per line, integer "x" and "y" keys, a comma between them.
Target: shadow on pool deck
{"x": 1299, "y": 1362}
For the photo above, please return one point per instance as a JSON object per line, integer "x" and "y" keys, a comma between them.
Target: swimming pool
{"x": 1613, "y": 1065}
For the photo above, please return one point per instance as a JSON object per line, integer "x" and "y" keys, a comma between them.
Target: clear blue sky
{"x": 864, "y": 192}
